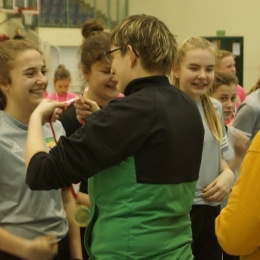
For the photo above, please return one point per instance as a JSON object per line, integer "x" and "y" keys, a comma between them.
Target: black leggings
{"x": 205, "y": 244}
{"x": 63, "y": 252}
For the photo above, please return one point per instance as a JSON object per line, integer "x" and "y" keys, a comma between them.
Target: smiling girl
{"x": 27, "y": 217}
{"x": 101, "y": 89}
{"x": 194, "y": 74}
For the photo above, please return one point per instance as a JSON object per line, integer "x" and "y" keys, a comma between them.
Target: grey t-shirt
{"x": 247, "y": 117}
{"x": 24, "y": 212}
{"x": 210, "y": 166}
{"x": 229, "y": 155}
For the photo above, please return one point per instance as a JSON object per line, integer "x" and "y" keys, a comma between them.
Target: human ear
{"x": 85, "y": 72}
{"x": 132, "y": 56}
{"x": 176, "y": 72}
{"x": 4, "y": 88}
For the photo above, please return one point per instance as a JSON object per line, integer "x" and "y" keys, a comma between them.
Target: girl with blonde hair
{"x": 194, "y": 74}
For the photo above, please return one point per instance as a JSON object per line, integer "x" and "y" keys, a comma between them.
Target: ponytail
{"x": 212, "y": 117}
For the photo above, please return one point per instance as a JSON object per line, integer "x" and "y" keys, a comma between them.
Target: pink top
{"x": 241, "y": 95}
{"x": 46, "y": 94}
{"x": 61, "y": 98}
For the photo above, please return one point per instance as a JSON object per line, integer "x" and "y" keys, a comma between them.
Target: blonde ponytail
{"x": 212, "y": 117}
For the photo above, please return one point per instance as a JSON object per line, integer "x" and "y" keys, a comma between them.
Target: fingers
{"x": 92, "y": 104}
{"x": 84, "y": 108}
{"x": 217, "y": 196}
{"x": 55, "y": 114}
{"x": 52, "y": 238}
{"x": 210, "y": 186}
{"x": 216, "y": 193}
{"x": 81, "y": 104}
{"x": 86, "y": 104}
{"x": 51, "y": 245}
{"x": 207, "y": 193}
{"x": 43, "y": 248}
{"x": 82, "y": 118}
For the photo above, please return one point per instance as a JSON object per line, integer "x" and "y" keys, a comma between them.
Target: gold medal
{"x": 81, "y": 216}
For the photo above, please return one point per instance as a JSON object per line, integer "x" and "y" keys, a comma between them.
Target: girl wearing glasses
{"x": 142, "y": 177}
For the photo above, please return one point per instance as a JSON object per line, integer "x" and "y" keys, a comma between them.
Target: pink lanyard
{"x": 54, "y": 136}
{"x": 53, "y": 114}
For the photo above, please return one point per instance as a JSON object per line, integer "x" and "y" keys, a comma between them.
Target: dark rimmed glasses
{"x": 109, "y": 58}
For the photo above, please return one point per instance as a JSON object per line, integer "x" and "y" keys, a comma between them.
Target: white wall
{"x": 68, "y": 42}
{"x": 187, "y": 18}
{"x": 69, "y": 57}
{"x": 61, "y": 36}
{"x": 3, "y": 26}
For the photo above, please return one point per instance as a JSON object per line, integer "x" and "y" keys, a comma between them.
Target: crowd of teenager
{"x": 159, "y": 151}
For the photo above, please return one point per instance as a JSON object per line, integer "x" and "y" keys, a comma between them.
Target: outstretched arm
{"x": 92, "y": 148}
{"x": 42, "y": 114}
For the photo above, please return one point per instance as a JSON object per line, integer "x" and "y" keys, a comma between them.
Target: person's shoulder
{"x": 4, "y": 117}
{"x": 181, "y": 93}
{"x": 216, "y": 104}
{"x": 253, "y": 100}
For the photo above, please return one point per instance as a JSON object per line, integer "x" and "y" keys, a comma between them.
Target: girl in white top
{"x": 194, "y": 74}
